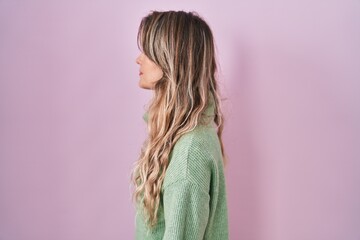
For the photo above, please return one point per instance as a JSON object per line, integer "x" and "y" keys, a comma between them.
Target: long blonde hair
{"x": 182, "y": 44}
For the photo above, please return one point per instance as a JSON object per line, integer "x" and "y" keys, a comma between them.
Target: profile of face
{"x": 149, "y": 72}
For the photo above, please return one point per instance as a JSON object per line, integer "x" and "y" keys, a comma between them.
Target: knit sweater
{"x": 193, "y": 201}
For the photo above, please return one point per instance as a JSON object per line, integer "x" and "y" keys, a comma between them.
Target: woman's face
{"x": 149, "y": 72}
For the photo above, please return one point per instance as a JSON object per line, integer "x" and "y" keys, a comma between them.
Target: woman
{"x": 179, "y": 178}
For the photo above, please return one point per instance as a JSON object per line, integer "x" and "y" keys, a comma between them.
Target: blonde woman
{"x": 179, "y": 178}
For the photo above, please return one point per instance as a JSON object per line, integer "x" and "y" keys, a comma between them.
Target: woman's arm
{"x": 186, "y": 211}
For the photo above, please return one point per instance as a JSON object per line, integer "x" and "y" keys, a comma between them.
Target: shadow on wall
{"x": 242, "y": 172}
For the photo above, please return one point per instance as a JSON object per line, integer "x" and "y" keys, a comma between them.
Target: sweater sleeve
{"x": 186, "y": 211}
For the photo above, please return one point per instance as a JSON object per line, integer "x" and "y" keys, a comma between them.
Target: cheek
{"x": 158, "y": 74}
{"x": 155, "y": 73}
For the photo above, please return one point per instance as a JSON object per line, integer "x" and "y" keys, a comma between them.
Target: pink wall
{"x": 71, "y": 117}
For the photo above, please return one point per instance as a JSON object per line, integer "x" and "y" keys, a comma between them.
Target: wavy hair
{"x": 182, "y": 44}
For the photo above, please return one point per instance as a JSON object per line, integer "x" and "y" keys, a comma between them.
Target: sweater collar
{"x": 208, "y": 113}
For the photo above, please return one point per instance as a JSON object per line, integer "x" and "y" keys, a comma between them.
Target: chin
{"x": 144, "y": 86}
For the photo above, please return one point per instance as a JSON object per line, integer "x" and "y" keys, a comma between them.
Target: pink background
{"x": 71, "y": 117}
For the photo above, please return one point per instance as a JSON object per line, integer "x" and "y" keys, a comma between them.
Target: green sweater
{"x": 193, "y": 202}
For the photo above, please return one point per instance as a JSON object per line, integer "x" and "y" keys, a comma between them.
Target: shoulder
{"x": 194, "y": 158}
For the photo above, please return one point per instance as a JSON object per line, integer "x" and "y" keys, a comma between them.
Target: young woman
{"x": 179, "y": 178}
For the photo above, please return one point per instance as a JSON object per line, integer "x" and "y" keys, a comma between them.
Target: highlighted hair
{"x": 182, "y": 44}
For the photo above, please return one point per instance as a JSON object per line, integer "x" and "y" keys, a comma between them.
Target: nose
{"x": 138, "y": 59}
